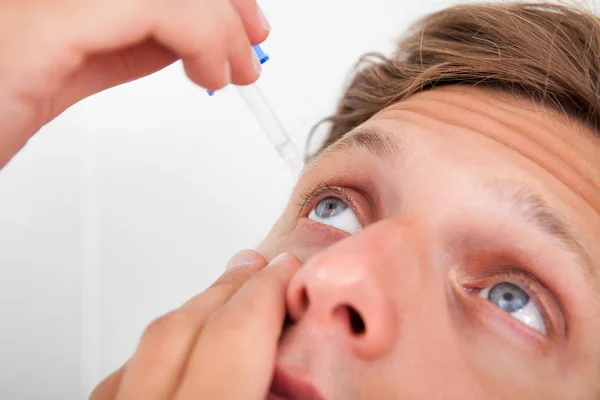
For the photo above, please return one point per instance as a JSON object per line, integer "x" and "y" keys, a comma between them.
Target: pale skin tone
{"x": 61, "y": 51}
{"x": 440, "y": 217}
{"x": 459, "y": 190}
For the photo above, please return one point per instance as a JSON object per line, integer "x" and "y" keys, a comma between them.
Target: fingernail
{"x": 244, "y": 257}
{"x": 256, "y": 62}
{"x": 279, "y": 259}
{"x": 263, "y": 20}
{"x": 227, "y": 72}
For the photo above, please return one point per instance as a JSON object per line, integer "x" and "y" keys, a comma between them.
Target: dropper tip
{"x": 291, "y": 156}
{"x": 296, "y": 165}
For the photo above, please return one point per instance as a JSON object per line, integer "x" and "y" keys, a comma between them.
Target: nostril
{"x": 356, "y": 322}
{"x": 304, "y": 299}
{"x": 288, "y": 321}
{"x": 351, "y": 317}
{"x": 298, "y": 303}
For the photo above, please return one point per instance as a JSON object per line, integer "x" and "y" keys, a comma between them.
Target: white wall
{"x": 133, "y": 200}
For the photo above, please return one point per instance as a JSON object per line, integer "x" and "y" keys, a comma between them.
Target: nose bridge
{"x": 385, "y": 257}
{"x": 355, "y": 286}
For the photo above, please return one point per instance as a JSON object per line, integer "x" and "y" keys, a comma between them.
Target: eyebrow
{"x": 371, "y": 138}
{"x": 533, "y": 208}
{"x": 523, "y": 201}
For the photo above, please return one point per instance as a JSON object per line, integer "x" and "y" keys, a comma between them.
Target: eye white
{"x": 516, "y": 302}
{"x": 336, "y": 213}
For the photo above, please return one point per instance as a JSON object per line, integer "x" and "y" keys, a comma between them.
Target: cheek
{"x": 304, "y": 241}
{"x": 503, "y": 369}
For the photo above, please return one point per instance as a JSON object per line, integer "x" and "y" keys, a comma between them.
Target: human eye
{"x": 515, "y": 301}
{"x": 335, "y": 212}
{"x": 510, "y": 294}
{"x": 341, "y": 208}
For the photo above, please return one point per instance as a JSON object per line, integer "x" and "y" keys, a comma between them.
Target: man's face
{"x": 451, "y": 251}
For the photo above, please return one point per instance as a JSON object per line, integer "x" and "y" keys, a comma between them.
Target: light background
{"x": 132, "y": 201}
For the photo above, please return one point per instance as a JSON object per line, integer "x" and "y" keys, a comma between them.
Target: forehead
{"x": 476, "y": 130}
{"x": 561, "y": 147}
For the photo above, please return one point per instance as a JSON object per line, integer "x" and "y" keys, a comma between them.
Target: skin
{"x": 442, "y": 203}
{"x": 61, "y": 51}
{"x": 194, "y": 351}
{"x": 437, "y": 221}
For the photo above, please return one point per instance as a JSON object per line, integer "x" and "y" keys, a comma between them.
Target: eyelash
{"x": 309, "y": 199}
{"x": 518, "y": 276}
{"x": 534, "y": 289}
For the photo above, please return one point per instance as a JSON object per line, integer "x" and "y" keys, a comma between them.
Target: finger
{"x": 195, "y": 30}
{"x": 255, "y": 22}
{"x": 155, "y": 369}
{"x": 201, "y": 37}
{"x": 235, "y": 354}
{"x": 245, "y": 66}
{"x": 240, "y": 268}
{"x": 105, "y": 70}
{"x": 108, "y": 388}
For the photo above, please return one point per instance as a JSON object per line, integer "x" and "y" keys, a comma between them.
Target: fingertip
{"x": 259, "y": 37}
{"x": 263, "y": 294}
{"x": 227, "y": 72}
{"x": 246, "y": 66}
{"x": 207, "y": 72}
{"x": 282, "y": 259}
{"x": 263, "y": 27}
{"x": 244, "y": 258}
{"x": 263, "y": 19}
{"x": 109, "y": 387}
{"x": 285, "y": 261}
{"x": 281, "y": 268}
{"x": 245, "y": 78}
{"x": 256, "y": 24}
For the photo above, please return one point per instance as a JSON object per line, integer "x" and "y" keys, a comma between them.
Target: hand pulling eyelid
{"x": 269, "y": 122}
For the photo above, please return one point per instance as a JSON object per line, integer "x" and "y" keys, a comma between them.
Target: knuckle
{"x": 226, "y": 279}
{"x": 97, "y": 392}
{"x": 234, "y": 23}
{"x": 108, "y": 387}
{"x": 237, "y": 276}
{"x": 128, "y": 62}
{"x": 164, "y": 331}
{"x": 223, "y": 323}
{"x": 236, "y": 33}
{"x": 238, "y": 42}
{"x": 204, "y": 47}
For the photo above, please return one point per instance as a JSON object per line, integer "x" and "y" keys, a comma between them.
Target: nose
{"x": 346, "y": 288}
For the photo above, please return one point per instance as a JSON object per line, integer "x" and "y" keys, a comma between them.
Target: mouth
{"x": 286, "y": 387}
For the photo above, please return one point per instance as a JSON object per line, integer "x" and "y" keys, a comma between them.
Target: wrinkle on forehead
{"x": 569, "y": 152}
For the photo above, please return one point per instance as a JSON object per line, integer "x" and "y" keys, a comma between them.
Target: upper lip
{"x": 286, "y": 386}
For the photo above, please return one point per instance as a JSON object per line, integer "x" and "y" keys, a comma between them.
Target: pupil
{"x": 330, "y": 207}
{"x": 508, "y": 297}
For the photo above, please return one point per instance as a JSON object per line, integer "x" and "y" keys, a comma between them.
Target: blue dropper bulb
{"x": 262, "y": 57}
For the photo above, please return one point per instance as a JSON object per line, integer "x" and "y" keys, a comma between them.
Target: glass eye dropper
{"x": 269, "y": 122}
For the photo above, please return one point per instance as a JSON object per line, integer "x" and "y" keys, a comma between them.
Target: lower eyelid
{"x": 509, "y": 327}
{"x": 313, "y": 233}
{"x": 483, "y": 312}
{"x": 538, "y": 293}
{"x": 533, "y": 297}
